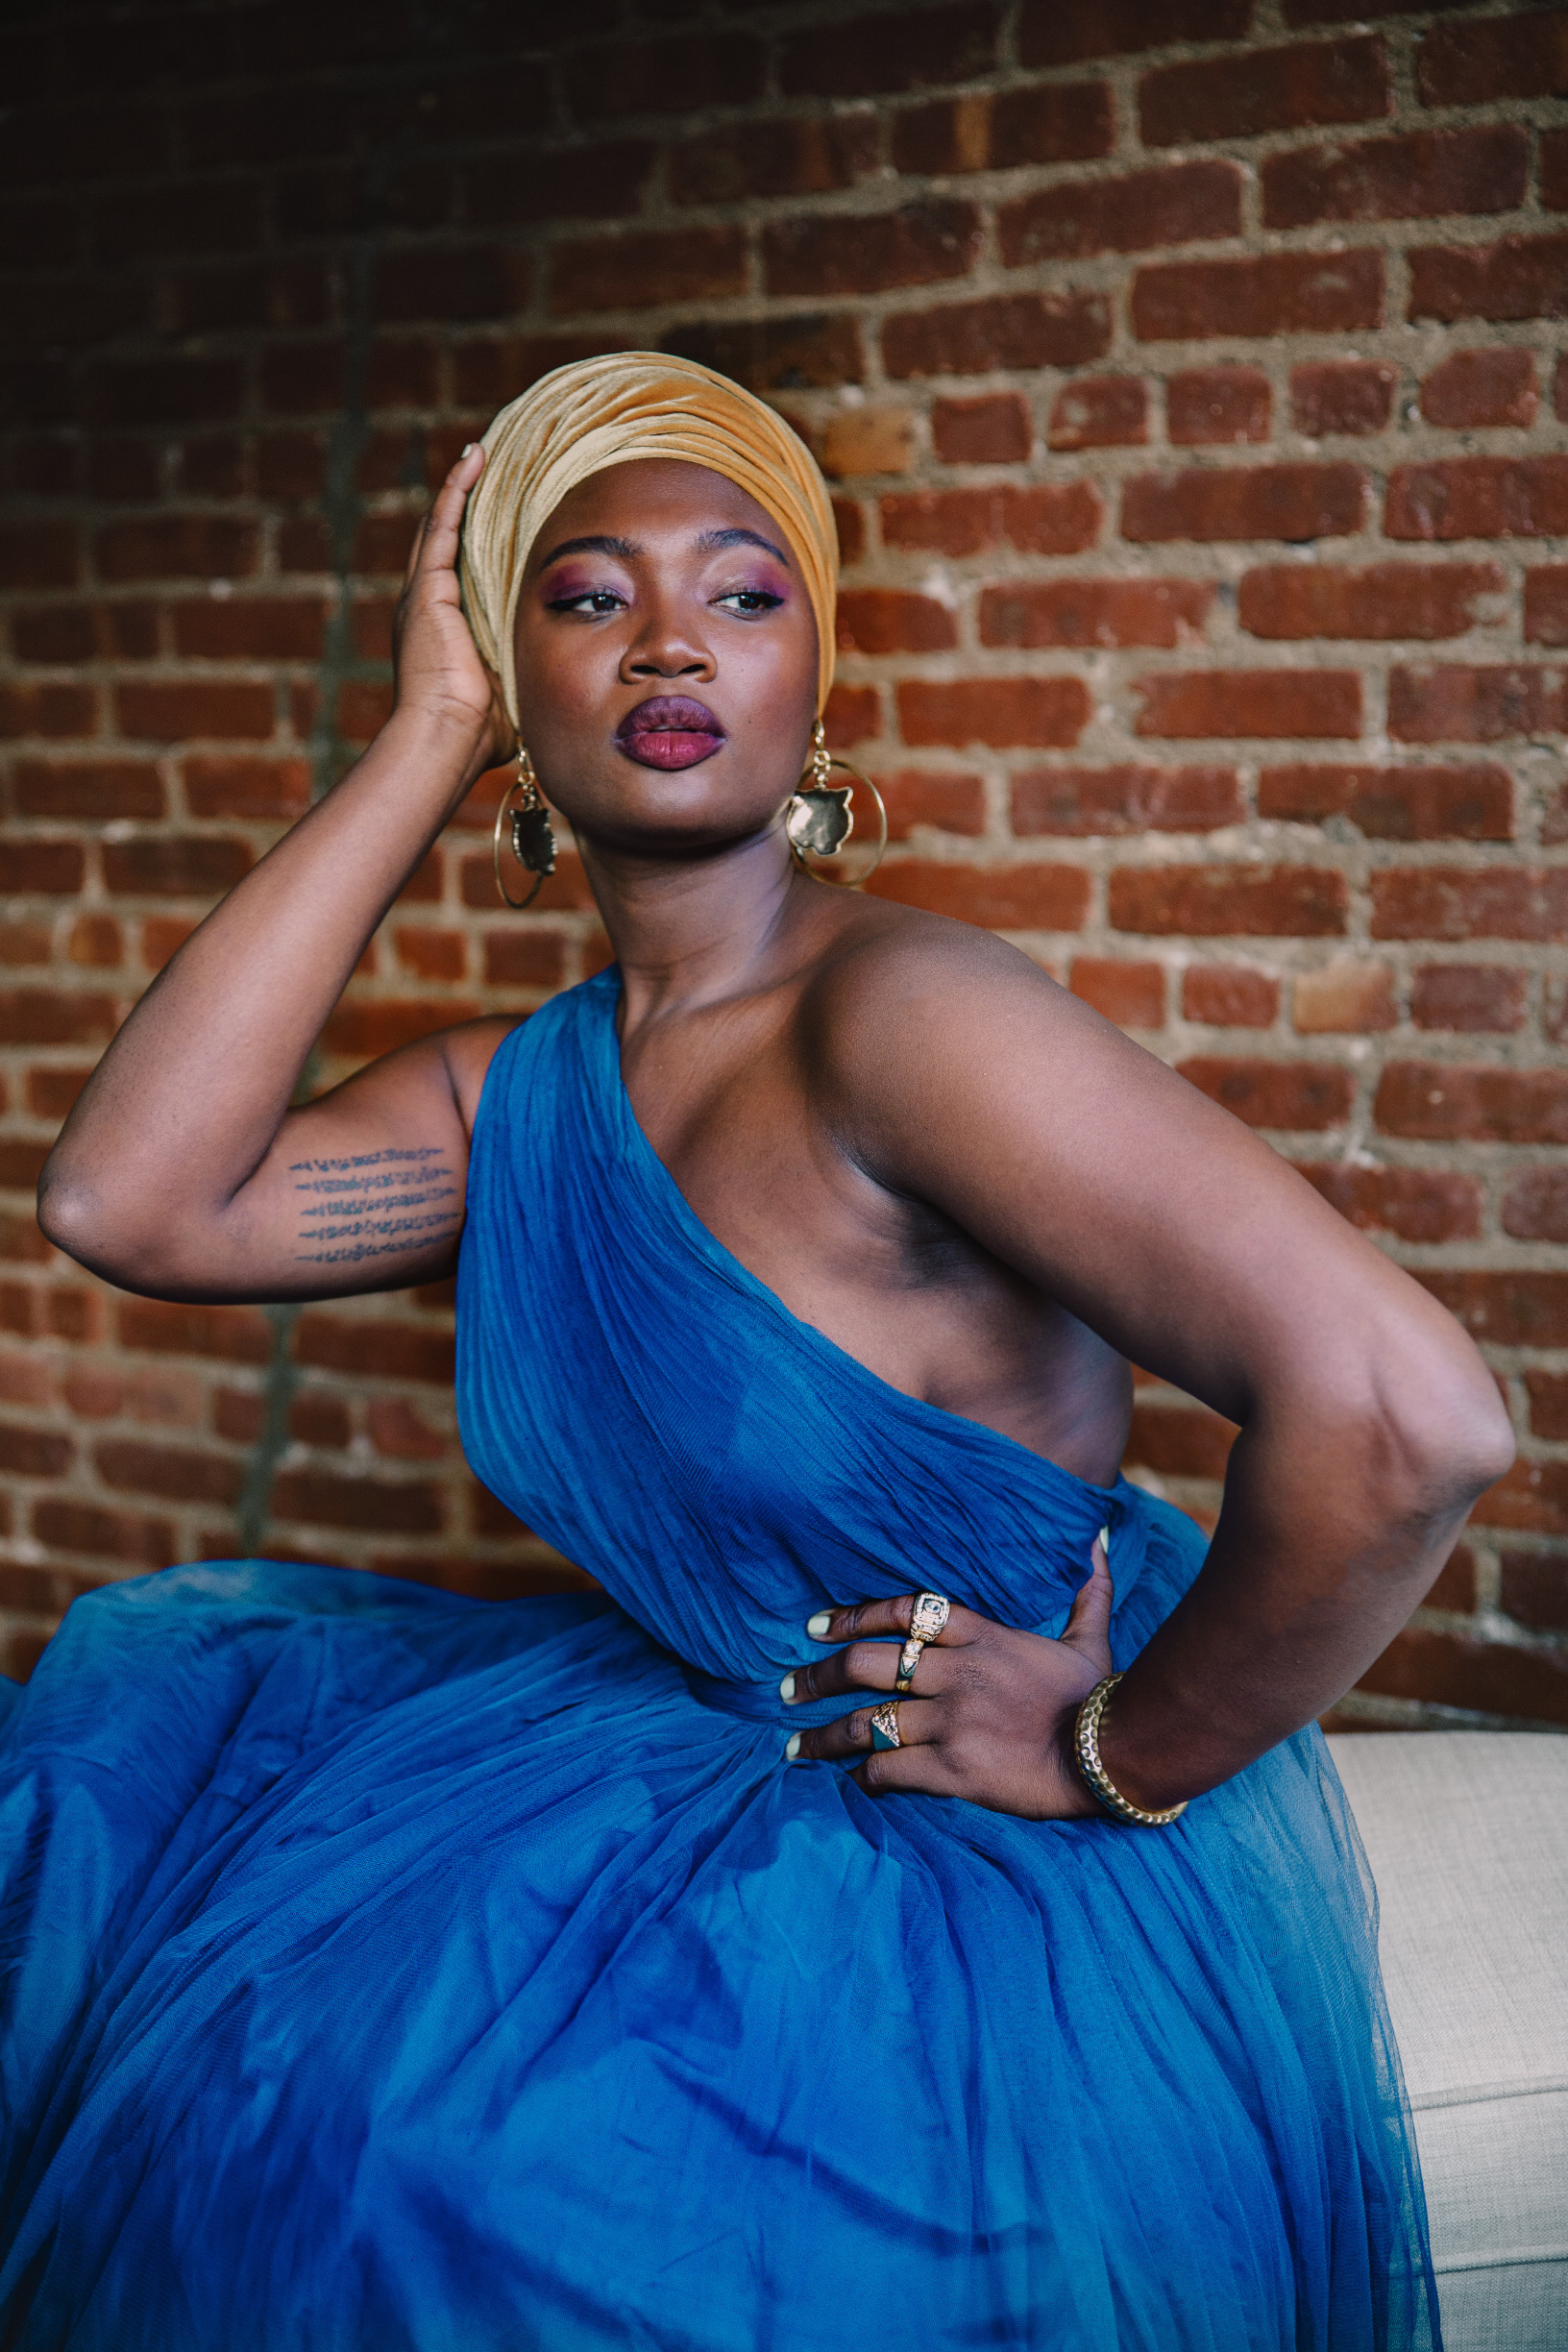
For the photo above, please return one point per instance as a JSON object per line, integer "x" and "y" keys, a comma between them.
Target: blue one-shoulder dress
{"x": 385, "y": 1972}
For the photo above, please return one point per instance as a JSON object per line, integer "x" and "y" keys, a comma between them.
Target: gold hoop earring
{"x": 818, "y": 820}
{"x": 533, "y": 842}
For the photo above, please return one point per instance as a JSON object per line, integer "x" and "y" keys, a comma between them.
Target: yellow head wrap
{"x": 605, "y": 412}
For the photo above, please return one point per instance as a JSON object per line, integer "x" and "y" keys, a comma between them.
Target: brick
{"x": 175, "y": 1474}
{"x": 192, "y": 867}
{"x": 1292, "y": 88}
{"x": 1459, "y": 702}
{"x": 1300, "y": 1096}
{"x": 21, "y": 1241}
{"x": 171, "y": 711}
{"x": 1443, "y": 1102}
{"x": 1482, "y": 388}
{"x": 1298, "y": 502}
{"x": 1230, "y": 996}
{"x": 1099, "y": 412}
{"x": 94, "y": 790}
{"x": 1217, "y": 404}
{"x": 1133, "y": 995}
{"x": 1051, "y": 520}
{"x": 1065, "y": 32}
{"x": 1095, "y": 612}
{"x": 858, "y": 59}
{"x": 1020, "y": 331}
{"x": 21, "y": 1163}
{"x": 56, "y": 1017}
{"x": 1369, "y": 600}
{"x": 1489, "y": 1678}
{"x": 387, "y": 1350}
{"x": 398, "y": 1430}
{"x": 250, "y": 628}
{"x": 1536, "y": 1205}
{"x": 1507, "y": 57}
{"x": 1344, "y": 998}
{"x": 130, "y": 1536}
{"x": 430, "y": 954}
{"x": 1267, "y": 294}
{"x": 233, "y": 1335}
{"x": 162, "y": 936}
{"x": 1004, "y": 712}
{"x": 254, "y": 788}
{"x": 177, "y": 547}
{"x": 1419, "y": 177}
{"x": 326, "y": 1421}
{"x": 1518, "y": 278}
{"x": 47, "y": 868}
{"x": 1534, "y": 1585}
{"x": 369, "y": 1026}
{"x": 1057, "y": 122}
{"x": 1121, "y": 800}
{"x": 51, "y": 1093}
{"x": 1548, "y": 1393}
{"x": 1014, "y": 898}
{"x": 34, "y": 1453}
{"x": 450, "y": 282}
{"x": 1176, "y": 204}
{"x": 525, "y": 958}
{"x": 643, "y": 268}
{"x": 1515, "y": 1307}
{"x": 995, "y": 429}
{"x": 1546, "y": 606}
{"x": 1414, "y": 1204}
{"x": 1342, "y": 395}
{"x": 41, "y": 707}
{"x": 38, "y": 554}
{"x": 26, "y": 943}
{"x": 948, "y": 801}
{"x": 1531, "y": 1498}
{"x": 919, "y": 244}
{"x": 866, "y": 441}
{"x": 799, "y": 157}
{"x": 1267, "y": 703}
{"x": 1474, "y": 803}
{"x": 1230, "y": 901}
{"x": 1458, "y": 902}
{"x": 766, "y": 355}
{"x": 1476, "y": 998}
{"x": 322, "y": 1498}
{"x": 664, "y": 77}
{"x": 166, "y": 391}
{"x": 1180, "y": 1440}
{"x": 892, "y": 621}
{"x": 1478, "y": 497}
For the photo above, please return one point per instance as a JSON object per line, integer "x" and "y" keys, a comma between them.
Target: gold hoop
{"x": 817, "y": 806}
{"x": 533, "y": 840}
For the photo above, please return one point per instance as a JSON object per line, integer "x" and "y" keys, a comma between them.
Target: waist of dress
{"x": 760, "y": 1701}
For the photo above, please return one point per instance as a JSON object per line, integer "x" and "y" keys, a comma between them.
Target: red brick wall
{"x": 1190, "y": 374}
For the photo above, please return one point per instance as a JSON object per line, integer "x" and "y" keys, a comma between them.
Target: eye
{"x": 749, "y": 601}
{"x": 593, "y": 603}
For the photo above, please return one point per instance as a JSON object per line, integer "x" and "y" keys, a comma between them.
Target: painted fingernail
{"x": 468, "y": 450}
{"x": 791, "y": 1747}
{"x": 1105, "y": 1543}
{"x": 786, "y": 1689}
{"x": 816, "y": 1627}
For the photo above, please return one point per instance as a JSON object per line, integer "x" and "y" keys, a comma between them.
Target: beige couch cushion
{"x": 1467, "y": 1834}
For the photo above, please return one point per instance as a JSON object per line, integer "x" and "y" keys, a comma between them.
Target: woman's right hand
{"x": 436, "y": 664}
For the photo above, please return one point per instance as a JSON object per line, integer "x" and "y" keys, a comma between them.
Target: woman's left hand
{"x": 990, "y": 1714}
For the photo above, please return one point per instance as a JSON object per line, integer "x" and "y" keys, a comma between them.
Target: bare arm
{"x": 182, "y": 1172}
{"x": 1369, "y": 1423}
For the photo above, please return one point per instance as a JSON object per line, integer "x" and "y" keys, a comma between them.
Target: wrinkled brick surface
{"x": 1193, "y": 377}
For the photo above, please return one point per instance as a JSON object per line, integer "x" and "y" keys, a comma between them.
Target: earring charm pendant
{"x": 532, "y": 836}
{"x": 819, "y": 819}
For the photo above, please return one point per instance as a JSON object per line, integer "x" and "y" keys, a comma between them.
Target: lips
{"x": 670, "y": 731}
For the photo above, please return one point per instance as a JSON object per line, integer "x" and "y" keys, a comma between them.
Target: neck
{"x": 695, "y": 931}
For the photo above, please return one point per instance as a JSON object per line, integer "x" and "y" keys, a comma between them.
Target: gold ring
{"x": 908, "y": 1657}
{"x": 885, "y": 1724}
{"x": 929, "y": 1617}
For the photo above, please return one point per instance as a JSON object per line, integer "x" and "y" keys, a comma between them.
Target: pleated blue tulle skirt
{"x": 385, "y": 1970}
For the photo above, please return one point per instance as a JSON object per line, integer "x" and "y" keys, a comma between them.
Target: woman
{"x": 393, "y": 1971}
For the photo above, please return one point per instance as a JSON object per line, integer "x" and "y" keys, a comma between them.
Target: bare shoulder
{"x": 467, "y": 1053}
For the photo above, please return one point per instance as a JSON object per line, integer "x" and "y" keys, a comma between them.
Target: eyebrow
{"x": 604, "y": 543}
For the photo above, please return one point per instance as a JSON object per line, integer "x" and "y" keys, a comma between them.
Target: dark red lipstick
{"x": 670, "y": 731}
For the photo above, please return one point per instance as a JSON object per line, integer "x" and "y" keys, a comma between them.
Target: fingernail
{"x": 468, "y": 450}
{"x": 791, "y": 1746}
{"x": 1105, "y": 1543}
{"x": 786, "y": 1689}
{"x": 816, "y": 1627}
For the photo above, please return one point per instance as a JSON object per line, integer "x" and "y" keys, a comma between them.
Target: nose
{"x": 664, "y": 648}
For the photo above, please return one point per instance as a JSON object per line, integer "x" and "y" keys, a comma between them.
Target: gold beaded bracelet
{"x": 1096, "y": 1779}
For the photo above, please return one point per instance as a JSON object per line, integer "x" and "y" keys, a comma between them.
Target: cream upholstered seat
{"x": 1467, "y": 1835}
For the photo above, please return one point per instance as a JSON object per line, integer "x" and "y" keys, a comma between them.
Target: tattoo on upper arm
{"x": 376, "y": 1205}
